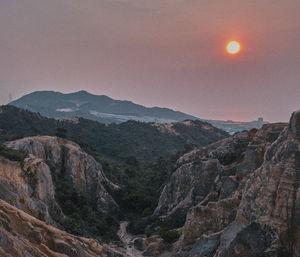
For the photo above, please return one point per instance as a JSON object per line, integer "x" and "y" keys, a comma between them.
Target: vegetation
{"x": 128, "y": 153}
{"x": 83, "y": 218}
{"x": 31, "y": 177}
{"x": 169, "y": 236}
{"x": 19, "y": 156}
{"x": 61, "y": 132}
{"x": 13, "y": 155}
{"x": 141, "y": 185}
{"x": 115, "y": 142}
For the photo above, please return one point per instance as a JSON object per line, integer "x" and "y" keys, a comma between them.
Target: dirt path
{"x": 127, "y": 239}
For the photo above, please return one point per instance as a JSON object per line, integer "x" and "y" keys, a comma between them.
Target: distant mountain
{"x": 107, "y": 110}
{"x": 95, "y": 107}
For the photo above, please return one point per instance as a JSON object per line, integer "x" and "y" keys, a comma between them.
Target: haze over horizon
{"x": 167, "y": 53}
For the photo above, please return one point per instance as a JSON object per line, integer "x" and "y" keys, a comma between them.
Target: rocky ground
{"x": 130, "y": 242}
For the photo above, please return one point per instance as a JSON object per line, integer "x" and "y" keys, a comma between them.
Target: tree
{"x": 61, "y": 132}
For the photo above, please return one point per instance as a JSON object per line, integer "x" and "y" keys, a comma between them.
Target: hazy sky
{"x": 168, "y": 53}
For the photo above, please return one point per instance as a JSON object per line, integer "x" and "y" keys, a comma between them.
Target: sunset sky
{"x": 168, "y": 53}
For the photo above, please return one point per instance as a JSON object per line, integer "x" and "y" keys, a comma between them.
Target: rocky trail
{"x": 128, "y": 241}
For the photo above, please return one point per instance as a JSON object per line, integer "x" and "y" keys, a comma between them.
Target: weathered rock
{"x": 155, "y": 247}
{"x": 52, "y": 154}
{"x": 221, "y": 217}
{"x": 22, "y": 235}
{"x": 139, "y": 244}
{"x": 272, "y": 194}
{"x": 15, "y": 189}
{"x": 47, "y": 156}
{"x": 265, "y": 220}
{"x": 295, "y": 124}
{"x": 206, "y": 246}
{"x": 251, "y": 240}
{"x": 213, "y": 217}
{"x": 204, "y": 178}
{"x": 188, "y": 186}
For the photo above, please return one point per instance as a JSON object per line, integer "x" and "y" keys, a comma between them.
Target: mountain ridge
{"x": 107, "y": 110}
{"x": 97, "y": 107}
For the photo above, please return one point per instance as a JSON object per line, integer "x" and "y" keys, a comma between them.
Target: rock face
{"x": 15, "y": 189}
{"x": 190, "y": 184}
{"x": 22, "y": 235}
{"x": 271, "y": 196}
{"x": 239, "y": 196}
{"x": 295, "y": 124}
{"x": 213, "y": 172}
{"x": 47, "y": 157}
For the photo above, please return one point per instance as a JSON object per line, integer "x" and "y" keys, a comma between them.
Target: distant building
{"x": 260, "y": 119}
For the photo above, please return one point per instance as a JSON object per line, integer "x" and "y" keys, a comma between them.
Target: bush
{"x": 31, "y": 177}
{"x": 169, "y": 236}
{"x": 11, "y": 154}
{"x": 61, "y": 132}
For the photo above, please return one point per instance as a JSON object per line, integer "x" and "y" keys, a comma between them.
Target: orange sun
{"x": 233, "y": 47}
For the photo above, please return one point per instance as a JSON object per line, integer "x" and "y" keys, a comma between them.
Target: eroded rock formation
{"x": 22, "y": 235}
{"x": 246, "y": 202}
{"x": 47, "y": 157}
{"x": 237, "y": 197}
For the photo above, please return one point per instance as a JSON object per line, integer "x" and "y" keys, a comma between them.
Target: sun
{"x": 233, "y": 47}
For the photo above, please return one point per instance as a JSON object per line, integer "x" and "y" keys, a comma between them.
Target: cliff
{"x": 237, "y": 197}
{"x": 57, "y": 180}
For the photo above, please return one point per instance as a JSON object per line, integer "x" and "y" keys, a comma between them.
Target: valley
{"x": 139, "y": 128}
{"x": 204, "y": 200}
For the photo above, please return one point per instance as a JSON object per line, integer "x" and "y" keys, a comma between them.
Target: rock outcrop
{"x": 22, "y": 235}
{"x": 247, "y": 203}
{"x": 214, "y": 172}
{"x": 32, "y": 189}
{"x": 37, "y": 200}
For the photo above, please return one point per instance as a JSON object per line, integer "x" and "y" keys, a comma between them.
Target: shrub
{"x": 61, "y": 132}
{"x": 169, "y": 236}
{"x": 31, "y": 177}
{"x": 11, "y": 154}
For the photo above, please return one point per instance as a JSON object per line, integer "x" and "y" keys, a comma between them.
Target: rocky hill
{"x": 237, "y": 197}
